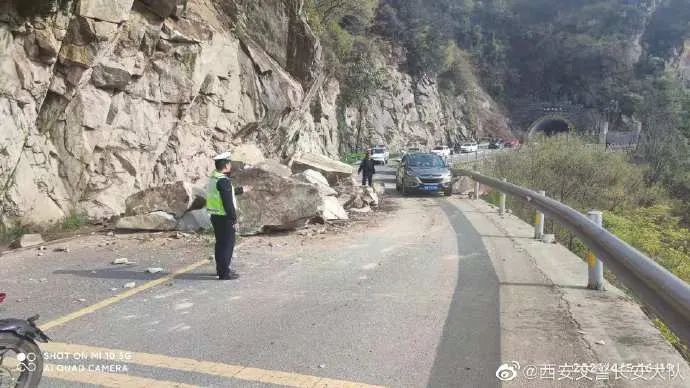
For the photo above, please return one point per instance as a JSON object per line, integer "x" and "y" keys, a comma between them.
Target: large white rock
{"x": 115, "y": 11}
{"x": 195, "y": 221}
{"x": 27, "y": 240}
{"x": 369, "y": 196}
{"x": 332, "y": 209}
{"x": 317, "y": 179}
{"x": 174, "y": 198}
{"x": 333, "y": 170}
{"x": 276, "y": 202}
{"x": 156, "y": 221}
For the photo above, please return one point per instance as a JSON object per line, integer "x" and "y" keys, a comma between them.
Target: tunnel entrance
{"x": 550, "y": 126}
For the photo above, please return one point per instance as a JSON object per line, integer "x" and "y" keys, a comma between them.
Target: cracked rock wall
{"x": 100, "y": 99}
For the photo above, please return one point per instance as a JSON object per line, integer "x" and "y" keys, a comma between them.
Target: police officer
{"x": 221, "y": 203}
{"x": 367, "y": 168}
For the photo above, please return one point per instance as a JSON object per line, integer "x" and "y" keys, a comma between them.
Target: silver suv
{"x": 423, "y": 172}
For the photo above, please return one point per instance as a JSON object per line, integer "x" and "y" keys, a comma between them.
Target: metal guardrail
{"x": 471, "y": 157}
{"x": 666, "y": 294}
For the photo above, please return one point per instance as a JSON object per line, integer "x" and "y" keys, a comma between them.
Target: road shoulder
{"x": 600, "y": 327}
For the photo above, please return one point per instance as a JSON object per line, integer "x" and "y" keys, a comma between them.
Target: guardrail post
{"x": 594, "y": 265}
{"x": 502, "y": 201}
{"x": 539, "y": 221}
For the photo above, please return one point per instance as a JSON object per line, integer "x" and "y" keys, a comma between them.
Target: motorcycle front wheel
{"x": 21, "y": 362}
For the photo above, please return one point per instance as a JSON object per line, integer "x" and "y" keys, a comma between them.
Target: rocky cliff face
{"x": 408, "y": 111}
{"x": 103, "y": 98}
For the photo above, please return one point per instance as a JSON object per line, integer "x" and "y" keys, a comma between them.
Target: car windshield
{"x": 468, "y": 145}
{"x": 439, "y": 148}
{"x": 425, "y": 160}
{"x": 378, "y": 151}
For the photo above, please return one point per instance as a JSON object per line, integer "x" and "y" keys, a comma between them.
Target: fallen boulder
{"x": 354, "y": 201}
{"x": 365, "y": 209}
{"x": 332, "y": 210}
{"x": 155, "y": 221}
{"x": 277, "y": 201}
{"x": 370, "y": 197}
{"x": 274, "y": 167}
{"x": 27, "y": 240}
{"x": 360, "y": 197}
{"x": 195, "y": 221}
{"x": 317, "y": 179}
{"x": 334, "y": 171}
{"x": 174, "y": 198}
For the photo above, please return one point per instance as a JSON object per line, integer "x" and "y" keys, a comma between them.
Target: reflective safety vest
{"x": 214, "y": 202}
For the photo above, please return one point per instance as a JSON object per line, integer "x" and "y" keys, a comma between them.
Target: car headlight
{"x": 412, "y": 177}
{"x": 447, "y": 178}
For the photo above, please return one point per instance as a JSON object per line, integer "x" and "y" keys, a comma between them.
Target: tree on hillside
{"x": 665, "y": 143}
{"x": 356, "y": 12}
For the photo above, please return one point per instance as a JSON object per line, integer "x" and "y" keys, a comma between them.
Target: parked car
{"x": 469, "y": 147}
{"x": 442, "y": 151}
{"x": 514, "y": 143}
{"x": 379, "y": 155}
{"x": 412, "y": 150}
{"x": 496, "y": 144}
{"x": 423, "y": 172}
{"x": 385, "y": 147}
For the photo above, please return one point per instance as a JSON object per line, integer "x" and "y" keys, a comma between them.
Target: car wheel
{"x": 449, "y": 192}
{"x": 403, "y": 190}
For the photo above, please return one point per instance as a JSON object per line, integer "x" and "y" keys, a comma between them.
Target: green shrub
{"x": 73, "y": 221}
{"x": 9, "y": 234}
{"x": 654, "y": 231}
{"x": 353, "y": 157}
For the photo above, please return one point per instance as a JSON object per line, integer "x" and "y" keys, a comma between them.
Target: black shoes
{"x": 232, "y": 275}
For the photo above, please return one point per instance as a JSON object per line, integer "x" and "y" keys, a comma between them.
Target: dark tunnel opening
{"x": 552, "y": 127}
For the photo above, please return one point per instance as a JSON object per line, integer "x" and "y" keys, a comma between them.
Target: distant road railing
{"x": 667, "y": 295}
{"x": 614, "y": 147}
{"x": 478, "y": 156}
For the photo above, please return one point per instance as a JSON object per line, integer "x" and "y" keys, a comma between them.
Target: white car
{"x": 442, "y": 151}
{"x": 469, "y": 147}
{"x": 379, "y": 155}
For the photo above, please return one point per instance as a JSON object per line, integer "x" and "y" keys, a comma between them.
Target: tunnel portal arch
{"x": 551, "y": 125}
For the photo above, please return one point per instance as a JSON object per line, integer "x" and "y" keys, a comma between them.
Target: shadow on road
{"x": 470, "y": 349}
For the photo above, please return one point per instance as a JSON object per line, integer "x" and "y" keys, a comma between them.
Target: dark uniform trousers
{"x": 225, "y": 243}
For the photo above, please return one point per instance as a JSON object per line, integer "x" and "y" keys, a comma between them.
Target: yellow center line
{"x": 106, "y": 379}
{"x": 116, "y": 298}
{"x": 204, "y": 367}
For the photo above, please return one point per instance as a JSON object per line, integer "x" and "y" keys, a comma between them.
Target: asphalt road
{"x": 409, "y": 299}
